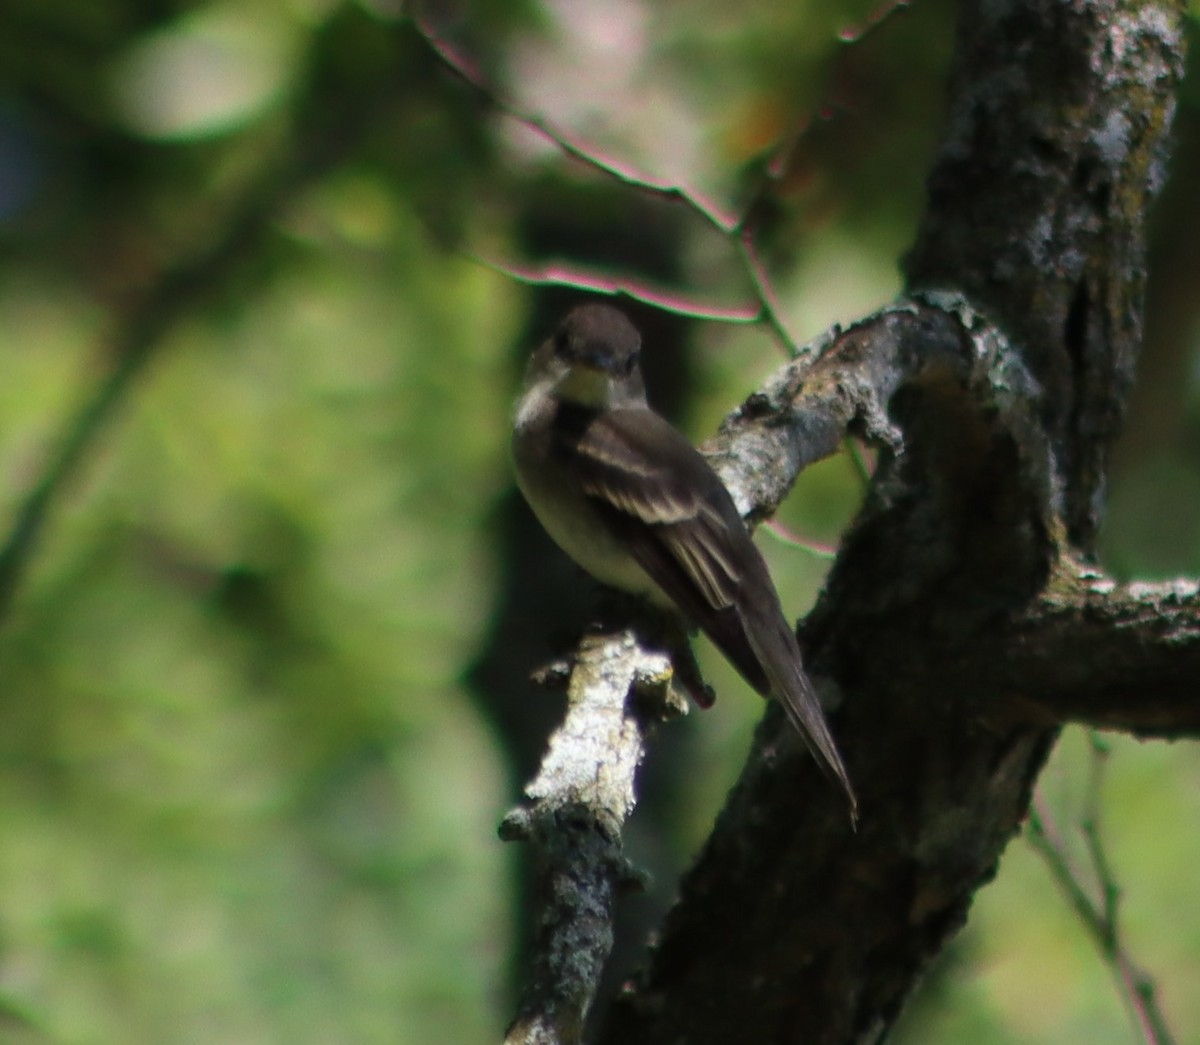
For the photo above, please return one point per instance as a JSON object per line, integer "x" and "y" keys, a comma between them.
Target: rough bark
{"x": 1054, "y": 148}
{"x": 576, "y": 806}
{"x": 960, "y": 625}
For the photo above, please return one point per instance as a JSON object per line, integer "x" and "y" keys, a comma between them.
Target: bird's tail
{"x": 792, "y": 688}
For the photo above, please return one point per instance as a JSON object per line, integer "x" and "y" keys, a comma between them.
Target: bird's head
{"x": 593, "y": 359}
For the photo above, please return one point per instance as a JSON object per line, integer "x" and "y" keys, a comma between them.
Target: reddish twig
{"x": 463, "y": 70}
{"x": 739, "y": 229}
{"x": 555, "y": 274}
{"x": 793, "y": 540}
{"x": 1100, "y": 918}
{"x": 855, "y": 34}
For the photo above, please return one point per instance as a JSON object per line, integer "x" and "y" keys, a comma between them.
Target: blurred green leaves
{"x": 212, "y": 70}
{"x": 244, "y": 791}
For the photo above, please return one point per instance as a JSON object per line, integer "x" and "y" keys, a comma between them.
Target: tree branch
{"x": 1113, "y": 657}
{"x": 577, "y": 804}
{"x": 799, "y": 416}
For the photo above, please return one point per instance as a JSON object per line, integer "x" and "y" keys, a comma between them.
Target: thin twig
{"x": 765, "y": 291}
{"x": 1100, "y": 918}
{"x": 462, "y": 68}
{"x": 857, "y": 33}
{"x": 555, "y": 274}
{"x": 792, "y": 539}
{"x": 739, "y": 229}
{"x": 861, "y": 468}
{"x": 724, "y": 224}
{"x": 782, "y": 154}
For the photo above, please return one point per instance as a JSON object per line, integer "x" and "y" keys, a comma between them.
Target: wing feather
{"x": 668, "y": 507}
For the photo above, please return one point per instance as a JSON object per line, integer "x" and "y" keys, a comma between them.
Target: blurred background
{"x": 269, "y": 603}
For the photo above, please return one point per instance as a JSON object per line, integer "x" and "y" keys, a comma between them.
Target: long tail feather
{"x": 792, "y": 688}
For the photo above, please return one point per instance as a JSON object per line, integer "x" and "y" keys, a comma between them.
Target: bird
{"x": 629, "y": 498}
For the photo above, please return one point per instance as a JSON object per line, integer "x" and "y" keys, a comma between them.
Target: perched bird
{"x": 637, "y": 506}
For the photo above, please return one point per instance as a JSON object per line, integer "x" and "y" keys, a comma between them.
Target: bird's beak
{"x": 587, "y": 382}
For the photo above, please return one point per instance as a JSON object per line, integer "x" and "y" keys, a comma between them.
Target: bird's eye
{"x": 631, "y": 361}
{"x": 562, "y": 341}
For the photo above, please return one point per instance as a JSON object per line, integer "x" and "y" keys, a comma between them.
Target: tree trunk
{"x": 953, "y": 631}
{"x": 963, "y": 622}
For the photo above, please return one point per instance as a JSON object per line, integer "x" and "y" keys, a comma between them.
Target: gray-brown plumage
{"x": 635, "y": 504}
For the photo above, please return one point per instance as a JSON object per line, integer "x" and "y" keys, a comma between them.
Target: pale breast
{"x": 572, "y": 521}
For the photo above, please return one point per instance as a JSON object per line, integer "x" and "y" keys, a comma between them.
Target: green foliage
{"x": 246, "y": 793}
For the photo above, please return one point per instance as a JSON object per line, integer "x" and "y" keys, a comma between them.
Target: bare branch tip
{"x": 517, "y": 825}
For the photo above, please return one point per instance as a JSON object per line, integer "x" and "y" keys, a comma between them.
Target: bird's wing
{"x": 669, "y": 508}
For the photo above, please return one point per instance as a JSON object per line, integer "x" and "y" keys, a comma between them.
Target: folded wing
{"x": 670, "y": 509}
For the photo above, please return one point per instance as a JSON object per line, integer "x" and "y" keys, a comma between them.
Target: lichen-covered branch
{"x": 1123, "y": 657}
{"x": 573, "y": 817}
{"x": 844, "y": 382}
